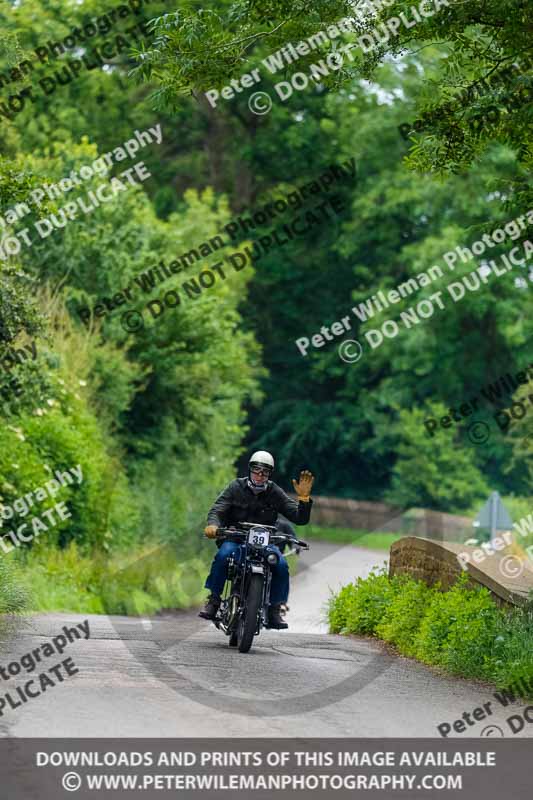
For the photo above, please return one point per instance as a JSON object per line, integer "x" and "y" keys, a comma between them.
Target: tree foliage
{"x": 163, "y": 414}
{"x": 477, "y": 90}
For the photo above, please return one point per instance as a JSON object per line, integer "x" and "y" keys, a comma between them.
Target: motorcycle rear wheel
{"x": 248, "y": 621}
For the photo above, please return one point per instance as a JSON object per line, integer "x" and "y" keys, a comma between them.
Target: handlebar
{"x": 227, "y": 533}
{"x": 252, "y": 525}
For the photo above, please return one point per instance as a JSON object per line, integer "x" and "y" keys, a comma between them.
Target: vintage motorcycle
{"x": 244, "y": 606}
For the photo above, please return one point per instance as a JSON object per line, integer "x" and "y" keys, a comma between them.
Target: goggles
{"x": 259, "y": 470}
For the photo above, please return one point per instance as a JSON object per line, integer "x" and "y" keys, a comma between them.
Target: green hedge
{"x": 461, "y": 631}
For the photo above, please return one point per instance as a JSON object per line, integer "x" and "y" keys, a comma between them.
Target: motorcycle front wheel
{"x": 248, "y": 621}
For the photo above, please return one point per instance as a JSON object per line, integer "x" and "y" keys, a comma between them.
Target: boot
{"x": 275, "y": 620}
{"x": 211, "y": 607}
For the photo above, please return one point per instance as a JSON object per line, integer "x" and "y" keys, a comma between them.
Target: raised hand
{"x": 304, "y": 486}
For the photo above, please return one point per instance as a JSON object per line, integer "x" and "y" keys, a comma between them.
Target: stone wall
{"x": 433, "y": 562}
{"x": 333, "y": 512}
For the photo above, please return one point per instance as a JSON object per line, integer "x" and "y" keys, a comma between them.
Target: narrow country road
{"x": 175, "y": 676}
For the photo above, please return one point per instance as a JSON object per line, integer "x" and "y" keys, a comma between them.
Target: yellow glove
{"x": 211, "y": 531}
{"x": 304, "y": 486}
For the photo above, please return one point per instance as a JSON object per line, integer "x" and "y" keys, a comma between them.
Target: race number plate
{"x": 258, "y": 538}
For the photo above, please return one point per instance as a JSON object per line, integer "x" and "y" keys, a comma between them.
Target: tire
{"x": 248, "y": 623}
{"x": 233, "y": 639}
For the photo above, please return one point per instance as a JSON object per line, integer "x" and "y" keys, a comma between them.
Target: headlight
{"x": 272, "y": 558}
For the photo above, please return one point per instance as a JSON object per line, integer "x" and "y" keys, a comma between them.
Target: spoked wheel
{"x": 248, "y": 620}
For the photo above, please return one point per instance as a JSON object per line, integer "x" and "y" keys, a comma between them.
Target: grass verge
{"x": 374, "y": 540}
{"x": 13, "y": 596}
{"x": 135, "y": 584}
{"x": 462, "y": 631}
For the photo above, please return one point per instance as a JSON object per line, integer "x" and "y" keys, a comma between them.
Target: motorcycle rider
{"x": 255, "y": 499}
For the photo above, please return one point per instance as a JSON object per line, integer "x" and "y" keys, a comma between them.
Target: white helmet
{"x": 262, "y": 459}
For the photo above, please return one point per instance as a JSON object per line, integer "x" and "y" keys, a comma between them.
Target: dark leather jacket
{"x": 237, "y": 503}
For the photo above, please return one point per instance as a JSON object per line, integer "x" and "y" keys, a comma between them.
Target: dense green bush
{"x": 339, "y": 609}
{"x": 59, "y": 438}
{"x": 458, "y": 629}
{"x": 360, "y": 606}
{"x": 513, "y": 648}
{"x": 462, "y": 631}
{"x": 403, "y": 614}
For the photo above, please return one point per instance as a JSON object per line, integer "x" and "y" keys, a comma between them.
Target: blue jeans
{"x": 279, "y": 588}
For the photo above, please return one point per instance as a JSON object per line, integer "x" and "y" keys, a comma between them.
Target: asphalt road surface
{"x": 175, "y": 676}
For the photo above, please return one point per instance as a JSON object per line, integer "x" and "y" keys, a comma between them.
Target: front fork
{"x": 231, "y": 609}
{"x": 266, "y": 595}
{"x": 265, "y": 601}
